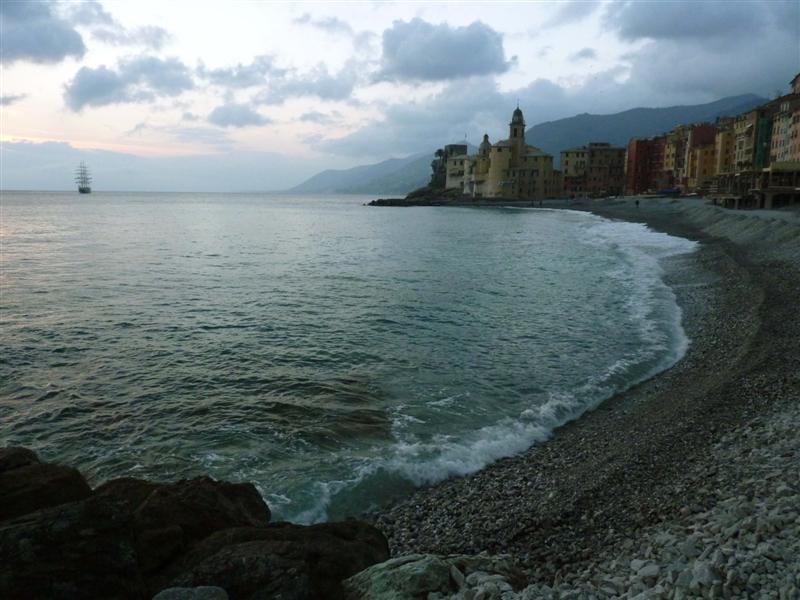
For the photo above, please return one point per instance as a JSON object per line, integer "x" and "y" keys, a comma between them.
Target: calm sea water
{"x": 335, "y": 355}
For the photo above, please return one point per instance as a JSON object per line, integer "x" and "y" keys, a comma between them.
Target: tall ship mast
{"x": 83, "y": 178}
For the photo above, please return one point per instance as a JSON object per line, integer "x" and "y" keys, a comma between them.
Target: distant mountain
{"x": 401, "y": 175}
{"x": 617, "y": 129}
{"x": 393, "y": 176}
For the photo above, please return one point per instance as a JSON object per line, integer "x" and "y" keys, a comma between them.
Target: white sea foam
{"x": 641, "y": 276}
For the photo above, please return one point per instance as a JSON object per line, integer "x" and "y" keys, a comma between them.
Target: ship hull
{"x": 85, "y": 190}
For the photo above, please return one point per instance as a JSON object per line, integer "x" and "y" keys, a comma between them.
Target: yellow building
{"x": 724, "y": 146}
{"x": 701, "y": 166}
{"x": 509, "y": 169}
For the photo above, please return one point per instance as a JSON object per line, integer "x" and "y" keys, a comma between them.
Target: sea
{"x": 334, "y": 354}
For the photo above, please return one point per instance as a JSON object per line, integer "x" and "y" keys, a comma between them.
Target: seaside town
{"x": 750, "y": 160}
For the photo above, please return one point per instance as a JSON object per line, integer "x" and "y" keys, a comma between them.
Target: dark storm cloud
{"x": 420, "y": 51}
{"x": 32, "y": 31}
{"x": 141, "y": 79}
{"x": 583, "y": 54}
{"x": 681, "y": 19}
{"x": 571, "y": 12}
{"x": 714, "y": 49}
{"x": 10, "y": 99}
{"x": 236, "y": 115}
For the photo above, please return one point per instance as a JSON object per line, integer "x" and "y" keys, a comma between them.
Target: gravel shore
{"x": 686, "y": 485}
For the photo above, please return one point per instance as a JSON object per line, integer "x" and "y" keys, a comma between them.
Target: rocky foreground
{"x": 131, "y": 538}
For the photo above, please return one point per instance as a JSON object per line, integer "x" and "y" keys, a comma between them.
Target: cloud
{"x": 320, "y": 118}
{"x": 583, "y": 54}
{"x": 317, "y": 82}
{"x": 682, "y": 19}
{"x": 419, "y": 51}
{"x": 141, "y": 79}
{"x": 362, "y": 40}
{"x": 705, "y": 47}
{"x": 329, "y": 24}
{"x": 206, "y": 136}
{"x": 106, "y": 29}
{"x": 148, "y": 36}
{"x": 189, "y": 116}
{"x": 478, "y": 105}
{"x": 31, "y": 31}
{"x": 236, "y": 115}
{"x": 10, "y": 99}
{"x": 256, "y": 73}
{"x": 470, "y": 107}
{"x": 572, "y": 12}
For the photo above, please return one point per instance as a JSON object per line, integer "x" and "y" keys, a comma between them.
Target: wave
{"x": 651, "y": 306}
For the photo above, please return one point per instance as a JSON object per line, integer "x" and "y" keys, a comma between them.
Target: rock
{"x": 650, "y": 571}
{"x": 202, "y": 506}
{"x": 703, "y": 575}
{"x": 174, "y": 516}
{"x": 127, "y": 489}
{"x": 417, "y": 575}
{"x": 205, "y": 592}
{"x": 78, "y": 550}
{"x": 26, "y": 485}
{"x": 283, "y": 560}
{"x": 457, "y": 577}
{"x": 15, "y": 456}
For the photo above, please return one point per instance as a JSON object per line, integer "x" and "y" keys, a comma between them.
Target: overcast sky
{"x": 261, "y": 95}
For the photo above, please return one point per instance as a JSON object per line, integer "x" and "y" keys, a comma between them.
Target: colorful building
{"x": 644, "y": 165}
{"x": 597, "y": 169}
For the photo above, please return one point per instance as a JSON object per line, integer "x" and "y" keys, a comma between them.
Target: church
{"x": 508, "y": 169}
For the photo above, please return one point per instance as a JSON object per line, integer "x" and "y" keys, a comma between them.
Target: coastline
{"x": 644, "y": 457}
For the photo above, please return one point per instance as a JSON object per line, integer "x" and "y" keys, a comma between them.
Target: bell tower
{"x": 517, "y": 127}
{"x": 516, "y": 134}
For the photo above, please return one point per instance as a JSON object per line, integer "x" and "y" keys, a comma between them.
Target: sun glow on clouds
{"x": 357, "y": 81}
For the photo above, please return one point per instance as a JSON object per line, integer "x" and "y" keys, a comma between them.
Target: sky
{"x": 251, "y": 95}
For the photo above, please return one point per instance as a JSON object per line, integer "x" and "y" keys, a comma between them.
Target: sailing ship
{"x": 83, "y": 179}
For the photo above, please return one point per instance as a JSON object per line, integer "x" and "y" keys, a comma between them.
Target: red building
{"x": 644, "y": 165}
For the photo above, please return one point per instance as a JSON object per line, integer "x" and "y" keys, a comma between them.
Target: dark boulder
{"x": 174, "y": 516}
{"x": 27, "y": 485}
{"x": 283, "y": 560}
{"x": 13, "y": 457}
{"x": 83, "y": 549}
{"x": 132, "y": 538}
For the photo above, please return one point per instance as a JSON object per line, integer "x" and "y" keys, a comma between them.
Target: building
{"x": 780, "y": 139}
{"x": 724, "y": 146}
{"x": 508, "y": 169}
{"x": 594, "y": 170}
{"x": 697, "y": 136}
{"x": 439, "y": 165}
{"x": 700, "y": 169}
{"x": 644, "y": 165}
{"x": 675, "y": 153}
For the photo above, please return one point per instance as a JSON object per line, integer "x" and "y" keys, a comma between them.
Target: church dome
{"x": 486, "y": 145}
{"x": 517, "y": 116}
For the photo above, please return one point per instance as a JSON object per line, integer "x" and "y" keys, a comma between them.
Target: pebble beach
{"x": 687, "y": 485}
